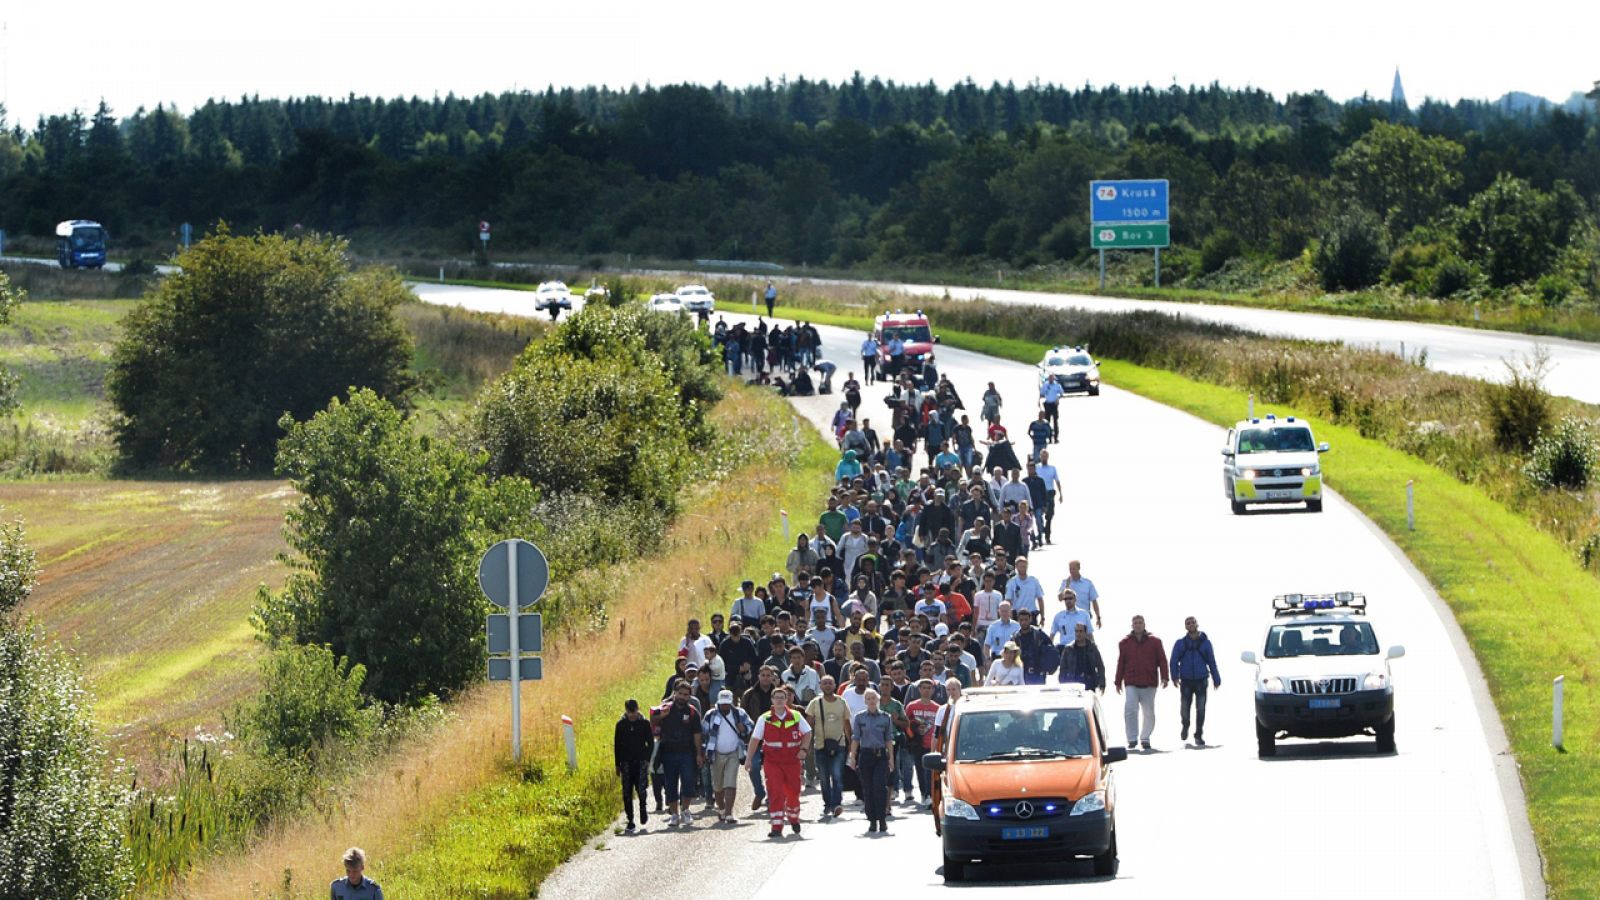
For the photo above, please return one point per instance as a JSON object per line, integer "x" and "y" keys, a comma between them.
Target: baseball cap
{"x": 725, "y": 697}
{"x": 941, "y": 629}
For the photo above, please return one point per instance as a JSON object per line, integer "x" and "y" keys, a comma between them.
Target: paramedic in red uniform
{"x": 780, "y": 735}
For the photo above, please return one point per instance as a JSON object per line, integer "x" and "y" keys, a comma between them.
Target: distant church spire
{"x": 1397, "y": 96}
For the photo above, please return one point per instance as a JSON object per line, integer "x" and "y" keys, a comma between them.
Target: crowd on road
{"x": 838, "y": 671}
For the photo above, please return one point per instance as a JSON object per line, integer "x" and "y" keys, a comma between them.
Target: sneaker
{"x": 795, "y": 827}
{"x": 686, "y": 820}
{"x": 629, "y": 829}
{"x": 1133, "y": 745}
{"x": 1146, "y": 746}
{"x": 838, "y": 811}
{"x": 775, "y": 833}
{"x": 672, "y": 820}
{"x": 644, "y": 817}
{"x": 1199, "y": 741}
{"x": 755, "y": 804}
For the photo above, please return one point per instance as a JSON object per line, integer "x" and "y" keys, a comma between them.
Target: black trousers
{"x": 1052, "y": 412}
{"x": 1193, "y": 689}
{"x": 873, "y": 768}
{"x": 634, "y": 776}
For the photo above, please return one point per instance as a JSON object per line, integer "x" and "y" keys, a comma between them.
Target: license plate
{"x": 1024, "y": 833}
{"x": 1325, "y": 703}
{"x": 1279, "y": 495}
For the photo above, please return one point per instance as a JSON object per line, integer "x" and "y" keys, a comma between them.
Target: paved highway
{"x": 1144, "y": 511}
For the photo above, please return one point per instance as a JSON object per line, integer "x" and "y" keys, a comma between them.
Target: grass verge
{"x": 450, "y": 815}
{"x": 1478, "y": 555}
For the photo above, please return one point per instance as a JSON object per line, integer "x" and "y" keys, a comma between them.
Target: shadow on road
{"x": 1078, "y": 871}
{"x": 1345, "y": 749}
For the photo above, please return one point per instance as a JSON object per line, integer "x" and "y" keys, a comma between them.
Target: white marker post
{"x": 1556, "y": 702}
{"x": 571, "y": 737}
{"x": 784, "y": 515}
{"x": 1250, "y": 410}
{"x": 516, "y": 667}
{"x": 1411, "y": 506}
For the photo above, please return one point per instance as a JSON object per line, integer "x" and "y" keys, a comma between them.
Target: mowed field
{"x": 151, "y": 581}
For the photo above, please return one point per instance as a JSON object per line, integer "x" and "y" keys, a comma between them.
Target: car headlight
{"x": 1247, "y": 474}
{"x": 1271, "y": 684}
{"x": 959, "y": 809}
{"x": 1094, "y": 801}
{"x": 1309, "y": 471}
{"x": 1377, "y": 681}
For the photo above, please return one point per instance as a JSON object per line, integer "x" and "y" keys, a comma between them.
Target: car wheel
{"x": 1266, "y": 741}
{"x": 1314, "y": 505}
{"x": 954, "y": 869}
{"x": 1105, "y": 865}
{"x": 1238, "y": 507}
{"x": 1386, "y": 736}
{"x": 1094, "y": 392}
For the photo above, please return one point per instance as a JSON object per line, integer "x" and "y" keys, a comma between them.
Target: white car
{"x": 1072, "y": 368}
{"x": 1272, "y": 461}
{"x": 668, "y": 303}
{"x": 598, "y": 292}
{"x": 552, "y": 295}
{"x": 697, "y": 298}
{"x": 1321, "y": 673}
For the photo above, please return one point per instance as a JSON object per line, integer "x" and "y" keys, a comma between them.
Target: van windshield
{"x": 908, "y": 334}
{"x": 1276, "y": 440}
{"x": 1022, "y": 734}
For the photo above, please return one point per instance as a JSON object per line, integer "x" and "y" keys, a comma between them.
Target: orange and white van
{"x": 1025, "y": 776}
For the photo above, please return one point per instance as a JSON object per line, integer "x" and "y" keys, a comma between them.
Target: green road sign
{"x": 1129, "y": 237}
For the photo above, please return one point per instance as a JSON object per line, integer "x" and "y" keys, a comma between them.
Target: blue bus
{"x": 80, "y": 244}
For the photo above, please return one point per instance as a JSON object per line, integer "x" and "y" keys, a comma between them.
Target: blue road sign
{"x": 529, "y": 668}
{"x": 1128, "y": 202}
{"x": 533, "y": 574}
{"x": 530, "y": 633}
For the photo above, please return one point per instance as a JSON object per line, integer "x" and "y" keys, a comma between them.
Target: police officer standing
{"x": 872, "y": 756}
{"x": 1050, "y": 398}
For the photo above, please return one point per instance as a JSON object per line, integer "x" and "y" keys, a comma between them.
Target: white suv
{"x": 1272, "y": 461}
{"x": 1321, "y": 673}
{"x": 697, "y": 298}
{"x": 553, "y": 296}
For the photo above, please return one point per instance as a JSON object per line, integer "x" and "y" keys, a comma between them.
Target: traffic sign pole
{"x": 1158, "y": 267}
{"x": 516, "y": 668}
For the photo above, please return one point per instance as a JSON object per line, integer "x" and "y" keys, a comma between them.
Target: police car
{"x": 552, "y": 295}
{"x": 1321, "y": 673}
{"x": 1072, "y": 368}
{"x": 1272, "y": 461}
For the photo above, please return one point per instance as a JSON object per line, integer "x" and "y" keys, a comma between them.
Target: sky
{"x": 57, "y": 57}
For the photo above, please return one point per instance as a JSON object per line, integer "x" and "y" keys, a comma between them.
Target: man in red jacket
{"x": 1141, "y": 661}
{"x": 780, "y": 736}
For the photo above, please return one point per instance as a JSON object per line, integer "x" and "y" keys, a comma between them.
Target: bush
{"x": 1518, "y": 408}
{"x": 1517, "y": 231}
{"x": 60, "y": 833}
{"x": 19, "y": 570}
{"x": 386, "y": 538}
{"x": 1353, "y": 252}
{"x": 1564, "y": 458}
{"x": 252, "y": 328}
{"x": 1221, "y": 246}
{"x": 1589, "y": 553}
{"x": 307, "y": 698}
{"x": 1453, "y": 276}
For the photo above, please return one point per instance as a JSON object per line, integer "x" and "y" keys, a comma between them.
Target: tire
{"x": 1266, "y": 741}
{"x": 1105, "y": 865}
{"x": 1386, "y": 736}
{"x": 1314, "y": 505}
{"x": 1094, "y": 392}
{"x": 954, "y": 869}
{"x": 1238, "y": 508}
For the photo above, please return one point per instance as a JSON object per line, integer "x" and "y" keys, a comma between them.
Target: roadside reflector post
{"x": 1556, "y": 702}
{"x": 571, "y": 739}
{"x": 784, "y": 515}
{"x": 1411, "y": 506}
{"x": 752, "y": 301}
{"x": 1250, "y": 411}
{"x": 441, "y": 274}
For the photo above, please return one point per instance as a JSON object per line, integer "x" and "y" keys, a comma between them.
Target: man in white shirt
{"x": 1014, "y": 491}
{"x": 1088, "y": 597}
{"x": 801, "y": 677}
{"x": 851, "y": 546}
{"x": 694, "y": 644}
{"x": 986, "y": 604}
{"x": 1000, "y": 632}
{"x": 821, "y": 633}
{"x": 747, "y": 607}
{"x": 727, "y": 727}
{"x": 1023, "y": 591}
{"x": 1053, "y": 490}
{"x": 1063, "y": 628}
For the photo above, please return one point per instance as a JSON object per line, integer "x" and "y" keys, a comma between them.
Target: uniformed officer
{"x": 1050, "y": 396}
{"x": 872, "y": 756}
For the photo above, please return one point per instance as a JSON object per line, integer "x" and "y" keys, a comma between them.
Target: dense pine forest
{"x": 865, "y": 174}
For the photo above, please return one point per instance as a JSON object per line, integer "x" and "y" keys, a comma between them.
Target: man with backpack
{"x": 727, "y": 728}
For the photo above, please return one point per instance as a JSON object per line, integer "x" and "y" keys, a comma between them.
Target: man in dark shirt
{"x": 756, "y": 701}
{"x": 631, "y": 747}
{"x": 739, "y": 657}
{"x": 681, "y": 754}
{"x": 1037, "y": 652}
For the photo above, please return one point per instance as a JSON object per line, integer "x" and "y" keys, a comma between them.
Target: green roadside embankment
{"x": 1526, "y": 607}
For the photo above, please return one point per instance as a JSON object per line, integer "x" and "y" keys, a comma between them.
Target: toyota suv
{"x": 1320, "y": 673}
{"x": 1025, "y": 776}
{"x": 1272, "y": 461}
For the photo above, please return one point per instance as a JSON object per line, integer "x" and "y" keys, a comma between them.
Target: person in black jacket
{"x": 1081, "y": 662}
{"x": 1037, "y": 652}
{"x": 632, "y": 748}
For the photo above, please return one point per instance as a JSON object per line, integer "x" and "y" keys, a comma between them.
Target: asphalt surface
{"x": 163, "y": 268}
{"x": 1143, "y": 509}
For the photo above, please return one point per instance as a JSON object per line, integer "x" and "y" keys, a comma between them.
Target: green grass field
{"x": 1478, "y": 555}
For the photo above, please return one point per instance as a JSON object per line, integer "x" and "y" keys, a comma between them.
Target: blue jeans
{"x": 905, "y": 769}
{"x": 830, "y": 768}
{"x": 678, "y": 769}
{"x": 756, "y": 781}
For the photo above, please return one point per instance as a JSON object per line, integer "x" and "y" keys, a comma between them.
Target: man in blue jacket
{"x": 1193, "y": 664}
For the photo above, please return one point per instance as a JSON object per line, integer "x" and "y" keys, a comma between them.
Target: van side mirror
{"x": 1248, "y": 656}
{"x": 1227, "y": 451}
{"x": 933, "y": 762}
{"x": 937, "y": 340}
{"x": 1114, "y": 755}
{"x": 1397, "y": 651}
{"x": 1323, "y": 447}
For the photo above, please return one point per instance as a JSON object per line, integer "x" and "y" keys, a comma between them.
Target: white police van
{"x": 1272, "y": 461}
{"x": 1321, "y": 674}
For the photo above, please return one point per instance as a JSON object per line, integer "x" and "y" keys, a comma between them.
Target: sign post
{"x": 514, "y": 574}
{"x": 187, "y": 231}
{"x": 1129, "y": 215}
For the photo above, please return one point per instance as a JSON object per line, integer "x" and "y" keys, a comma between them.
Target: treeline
{"x": 860, "y": 173}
